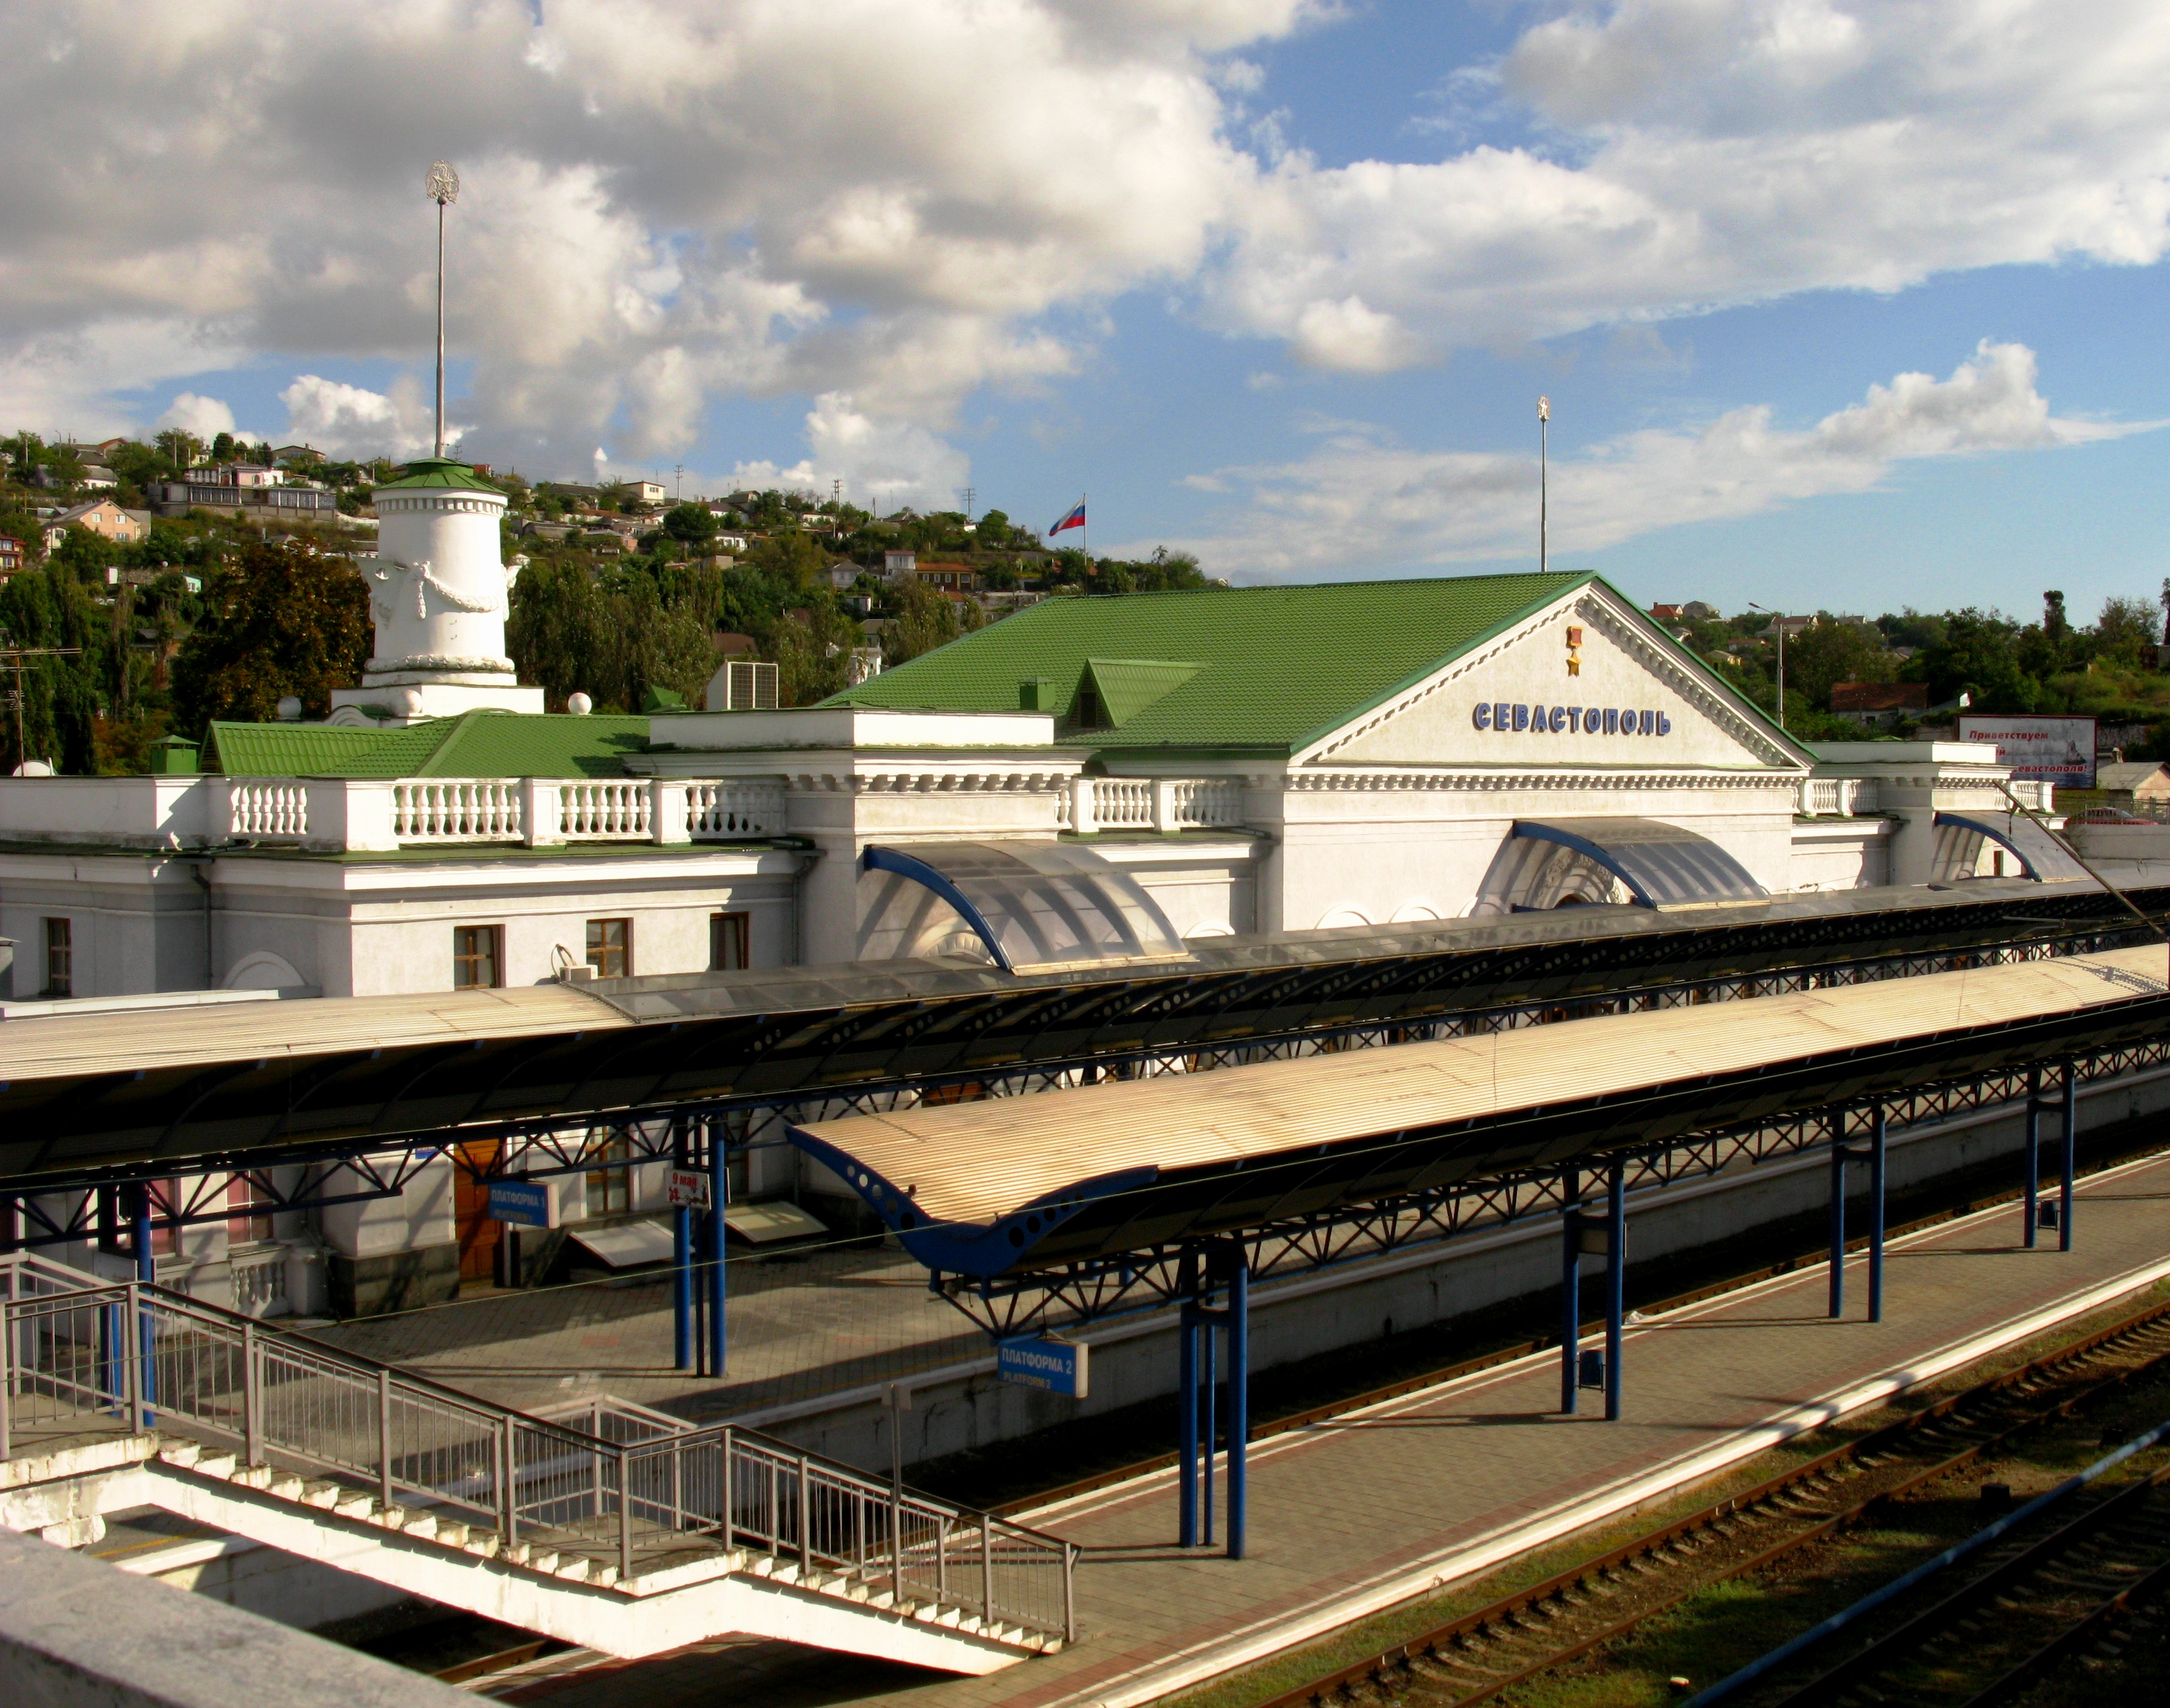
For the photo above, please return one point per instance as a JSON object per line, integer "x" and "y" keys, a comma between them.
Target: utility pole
{"x": 441, "y": 186}
{"x": 970, "y": 492}
{"x": 1544, "y": 544}
{"x": 13, "y": 658}
{"x": 1779, "y": 621}
{"x": 679, "y": 469}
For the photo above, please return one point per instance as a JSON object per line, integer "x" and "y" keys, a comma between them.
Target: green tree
{"x": 609, "y": 635}
{"x": 49, "y": 607}
{"x": 278, "y": 619}
{"x": 925, "y": 620}
{"x": 692, "y": 525}
{"x": 2124, "y": 626}
{"x": 1978, "y": 655}
{"x": 1831, "y": 653}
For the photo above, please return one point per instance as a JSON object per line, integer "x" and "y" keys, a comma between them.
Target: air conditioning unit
{"x": 747, "y": 687}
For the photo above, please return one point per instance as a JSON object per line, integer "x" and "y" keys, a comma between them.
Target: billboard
{"x": 2060, "y": 751}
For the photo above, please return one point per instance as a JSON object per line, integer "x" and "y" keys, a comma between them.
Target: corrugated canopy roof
{"x": 966, "y": 1172}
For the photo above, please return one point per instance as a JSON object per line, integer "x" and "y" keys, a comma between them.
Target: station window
{"x": 246, "y": 1196}
{"x": 610, "y": 947}
{"x": 610, "y": 1190}
{"x": 60, "y": 958}
{"x": 729, "y": 942}
{"x": 478, "y": 956}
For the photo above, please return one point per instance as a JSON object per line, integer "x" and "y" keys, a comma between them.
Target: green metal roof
{"x": 475, "y": 744}
{"x": 1246, "y": 667}
{"x": 441, "y": 471}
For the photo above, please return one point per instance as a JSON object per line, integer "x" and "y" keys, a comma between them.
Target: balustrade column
{"x": 542, "y": 812}
{"x": 1082, "y": 818}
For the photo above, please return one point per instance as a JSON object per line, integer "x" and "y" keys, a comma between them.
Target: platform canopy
{"x": 1024, "y": 906}
{"x": 2041, "y": 856}
{"x": 1659, "y": 865}
{"x": 987, "y": 1188}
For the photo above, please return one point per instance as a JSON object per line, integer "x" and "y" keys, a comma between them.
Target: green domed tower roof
{"x": 440, "y": 471}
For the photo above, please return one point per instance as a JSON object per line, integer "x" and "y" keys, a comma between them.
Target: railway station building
{"x": 1089, "y": 784}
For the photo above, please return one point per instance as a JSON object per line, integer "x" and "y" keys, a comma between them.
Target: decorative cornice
{"x": 930, "y": 783}
{"x": 1531, "y": 781}
{"x": 470, "y": 503}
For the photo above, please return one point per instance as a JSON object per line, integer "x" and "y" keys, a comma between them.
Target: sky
{"x": 1838, "y": 305}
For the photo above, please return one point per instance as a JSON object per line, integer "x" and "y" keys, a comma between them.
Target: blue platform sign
{"x": 525, "y": 1203}
{"x": 1052, "y": 1366}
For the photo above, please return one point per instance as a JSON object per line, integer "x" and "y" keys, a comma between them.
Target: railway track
{"x": 1474, "y": 1658}
{"x": 2046, "y": 1602}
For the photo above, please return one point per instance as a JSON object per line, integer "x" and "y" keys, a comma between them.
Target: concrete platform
{"x": 1354, "y": 1516}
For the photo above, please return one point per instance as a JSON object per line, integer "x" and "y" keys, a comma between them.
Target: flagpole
{"x": 1544, "y": 544}
{"x": 1085, "y": 532}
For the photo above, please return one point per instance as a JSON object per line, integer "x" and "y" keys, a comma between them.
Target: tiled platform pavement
{"x": 801, "y": 1326}
{"x": 1352, "y": 1516}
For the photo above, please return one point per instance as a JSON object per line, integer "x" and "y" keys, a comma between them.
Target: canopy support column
{"x": 1878, "y": 1134}
{"x": 2068, "y": 1154}
{"x": 713, "y": 1282}
{"x": 147, "y": 1271}
{"x": 1186, "y": 1383}
{"x": 1237, "y": 1316}
{"x": 2030, "y": 1214}
{"x": 1839, "y": 1154}
{"x": 1570, "y": 1288}
{"x": 1615, "y": 1282}
{"x": 681, "y": 1259}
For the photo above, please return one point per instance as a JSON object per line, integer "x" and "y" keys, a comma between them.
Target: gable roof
{"x": 1256, "y": 668}
{"x": 475, "y": 744}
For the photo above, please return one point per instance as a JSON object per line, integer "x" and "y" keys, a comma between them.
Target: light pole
{"x": 441, "y": 186}
{"x": 1778, "y": 622}
{"x": 1544, "y": 544}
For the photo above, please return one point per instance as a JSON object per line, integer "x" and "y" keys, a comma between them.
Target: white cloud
{"x": 882, "y": 463}
{"x": 353, "y": 421}
{"x": 907, "y": 201}
{"x": 1360, "y": 499}
{"x": 202, "y": 418}
{"x": 1687, "y": 153}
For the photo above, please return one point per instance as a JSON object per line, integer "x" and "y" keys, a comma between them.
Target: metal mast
{"x": 441, "y": 186}
{"x": 1544, "y": 543}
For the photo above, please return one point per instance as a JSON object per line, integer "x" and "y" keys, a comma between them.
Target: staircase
{"x": 609, "y": 1525}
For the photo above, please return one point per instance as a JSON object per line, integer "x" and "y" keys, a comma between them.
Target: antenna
{"x": 441, "y": 186}
{"x": 970, "y": 492}
{"x": 679, "y": 470}
{"x": 1544, "y": 544}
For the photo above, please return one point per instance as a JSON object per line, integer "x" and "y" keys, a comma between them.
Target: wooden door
{"x": 479, "y": 1232}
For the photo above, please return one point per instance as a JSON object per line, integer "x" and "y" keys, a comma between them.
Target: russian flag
{"x": 1075, "y": 518}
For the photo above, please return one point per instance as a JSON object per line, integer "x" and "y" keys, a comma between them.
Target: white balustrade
{"x": 719, "y": 811}
{"x": 1122, "y": 804}
{"x": 456, "y": 809}
{"x": 258, "y": 1279}
{"x": 1833, "y": 797}
{"x": 267, "y": 809}
{"x": 1210, "y": 802}
{"x": 1159, "y": 805}
{"x": 604, "y": 811}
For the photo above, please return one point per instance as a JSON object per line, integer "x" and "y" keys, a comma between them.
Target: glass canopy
{"x": 1960, "y": 837}
{"x": 1024, "y": 906}
{"x": 1658, "y": 865}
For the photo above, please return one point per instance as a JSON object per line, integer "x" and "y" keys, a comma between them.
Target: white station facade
{"x": 1209, "y": 763}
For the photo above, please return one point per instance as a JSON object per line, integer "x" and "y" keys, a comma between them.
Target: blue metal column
{"x": 1186, "y": 1383}
{"x": 1838, "y": 1154}
{"x": 1209, "y": 1429}
{"x": 2033, "y": 1155}
{"x": 1570, "y": 1287}
{"x": 1239, "y": 1399}
{"x": 146, "y": 1270}
{"x": 681, "y": 1260}
{"x": 1876, "y": 1159}
{"x": 2067, "y": 1157}
{"x": 718, "y": 1197}
{"x": 1615, "y": 1282}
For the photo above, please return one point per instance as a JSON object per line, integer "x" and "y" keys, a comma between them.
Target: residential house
{"x": 1666, "y": 613}
{"x": 646, "y": 492}
{"x": 102, "y": 517}
{"x": 97, "y": 477}
{"x": 947, "y": 577}
{"x": 899, "y": 563}
{"x": 11, "y": 554}
{"x": 1879, "y": 702}
{"x": 1694, "y": 610}
{"x": 294, "y": 456}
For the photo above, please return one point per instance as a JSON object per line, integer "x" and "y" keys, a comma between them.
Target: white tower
{"x": 438, "y": 594}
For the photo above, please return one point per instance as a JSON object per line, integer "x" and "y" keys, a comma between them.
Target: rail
{"x": 362, "y": 815}
{"x": 1162, "y": 805}
{"x": 634, "y": 1490}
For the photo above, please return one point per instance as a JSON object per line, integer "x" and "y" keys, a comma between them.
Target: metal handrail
{"x": 142, "y": 1356}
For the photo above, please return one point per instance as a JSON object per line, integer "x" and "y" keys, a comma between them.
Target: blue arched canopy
{"x": 1025, "y": 906}
{"x": 1662, "y": 865}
